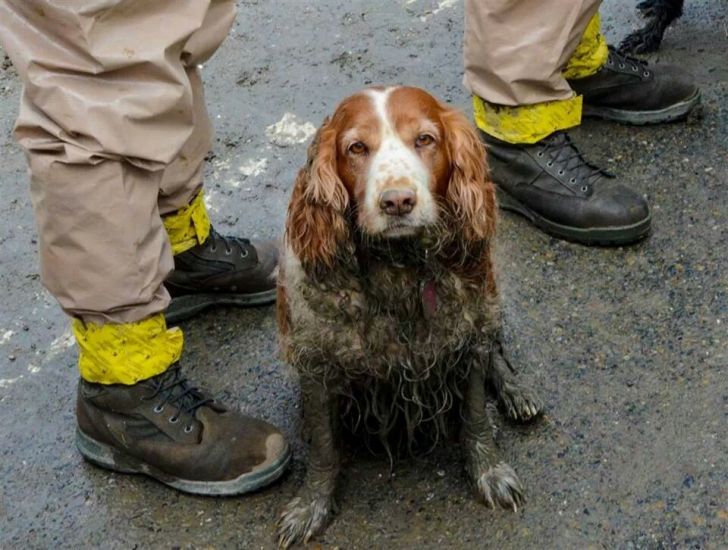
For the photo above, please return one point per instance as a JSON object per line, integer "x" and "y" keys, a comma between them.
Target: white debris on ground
{"x": 290, "y": 130}
{"x": 211, "y": 200}
{"x": 441, "y": 5}
{"x": 59, "y": 345}
{"x": 7, "y": 382}
{"x": 6, "y": 337}
{"x": 253, "y": 167}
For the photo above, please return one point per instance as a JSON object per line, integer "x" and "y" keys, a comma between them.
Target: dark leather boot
{"x": 563, "y": 194}
{"x": 627, "y": 90}
{"x": 222, "y": 271}
{"x": 168, "y": 430}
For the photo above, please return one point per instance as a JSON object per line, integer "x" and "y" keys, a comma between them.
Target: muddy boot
{"x": 164, "y": 428}
{"x": 552, "y": 185}
{"x": 222, "y": 271}
{"x": 627, "y": 90}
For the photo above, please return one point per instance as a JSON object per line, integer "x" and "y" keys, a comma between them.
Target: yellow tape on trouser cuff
{"x": 591, "y": 53}
{"x": 189, "y": 227}
{"x": 126, "y": 353}
{"x": 527, "y": 123}
{"x": 532, "y": 123}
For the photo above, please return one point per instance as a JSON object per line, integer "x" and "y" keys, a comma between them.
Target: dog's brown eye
{"x": 357, "y": 148}
{"x": 423, "y": 140}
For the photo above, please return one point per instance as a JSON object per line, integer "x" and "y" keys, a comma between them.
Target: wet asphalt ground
{"x": 628, "y": 345}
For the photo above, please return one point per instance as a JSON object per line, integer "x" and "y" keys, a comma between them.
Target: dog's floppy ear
{"x": 316, "y": 228}
{"x": 470, "y": 193}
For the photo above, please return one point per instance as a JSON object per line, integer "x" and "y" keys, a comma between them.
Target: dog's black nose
{"x": 397, "y": 202}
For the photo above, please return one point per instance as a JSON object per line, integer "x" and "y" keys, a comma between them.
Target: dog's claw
{"x": 302, "y": 519}
{"x": 520, "y": 403}
{"x": 500, "y": 484}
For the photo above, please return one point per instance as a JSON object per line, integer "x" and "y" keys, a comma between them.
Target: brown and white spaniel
{"x": 387, "y": 303}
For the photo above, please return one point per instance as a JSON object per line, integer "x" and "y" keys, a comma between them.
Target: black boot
{"x": 627, "y": 90}
{"x": 222, "y": 271}
{"x": 563, "y": 194}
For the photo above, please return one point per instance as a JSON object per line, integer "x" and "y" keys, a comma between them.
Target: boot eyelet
{"x": 244, "y": 254}
{"x": 188, "y": 429}
{"x": 549, "y": 164}
{"x": 621, "y": 65}
{"x": 539, "y": 154}
{"x": 561, "y": 172}
{"x": 228, "y": 252}
{"x": 572, "y": 180}
{"x": 173, "y": 419}
{"x": 646, "y": 74}
{"x": 585, "y": 189}
{"x": 158, "y": 409}
{"x": 213, "y": 249}
{"x": 635, "y": 69}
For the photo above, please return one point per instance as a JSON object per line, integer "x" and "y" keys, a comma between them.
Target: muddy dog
{"x": 387, "y": 303}
{"x": 659, "y": 14}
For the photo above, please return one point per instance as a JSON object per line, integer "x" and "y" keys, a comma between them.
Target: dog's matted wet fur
{"x": 659, "y": 14}
{"x": 387, "y": 303}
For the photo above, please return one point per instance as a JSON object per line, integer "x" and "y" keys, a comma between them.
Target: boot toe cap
{"x": 616, "y": 206}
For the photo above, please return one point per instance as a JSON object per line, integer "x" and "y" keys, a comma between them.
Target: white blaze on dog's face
{"x": 392, "y": 159}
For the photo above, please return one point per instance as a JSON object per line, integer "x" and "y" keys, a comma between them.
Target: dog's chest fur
{"x": 395, "y": 343}
{"x": 391, "y": 317}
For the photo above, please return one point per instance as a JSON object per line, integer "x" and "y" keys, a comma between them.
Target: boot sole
{"x": 668, "y": 114}
{"x": 605, "y": 236}
{"x": 110, "y": 458}
{"x": 185, "y": 307}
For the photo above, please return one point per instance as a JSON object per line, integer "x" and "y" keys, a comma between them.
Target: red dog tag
{"x": 429, "y": 298}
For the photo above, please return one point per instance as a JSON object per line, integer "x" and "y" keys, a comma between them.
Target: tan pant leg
{"x": 182, "y": 179}
{"x": 515, "y": 50}
{"x": 108, "y": 105}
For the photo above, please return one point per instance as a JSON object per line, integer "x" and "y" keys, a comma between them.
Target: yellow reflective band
{"x": 126, "y": 353}
{"x": 189, "y": 227}
{"x": 526, "y": 123}
{"x": 591, "y": 53}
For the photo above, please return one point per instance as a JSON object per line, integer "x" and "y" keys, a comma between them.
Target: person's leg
{"x": 523, "y": 83}
{"x": 209, "y": 268}
{"x": 107, "y": 107}
{"x": 514, "y": 53}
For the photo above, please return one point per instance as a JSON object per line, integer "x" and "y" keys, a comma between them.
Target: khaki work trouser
{"x": 518, "y": 55}
{"x": 115, "y": 129}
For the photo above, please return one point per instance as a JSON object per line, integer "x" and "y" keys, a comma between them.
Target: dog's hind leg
{"x": 495, "y": 482}
{"x": 519, "y": 401}
{"x": 308, "y": 514}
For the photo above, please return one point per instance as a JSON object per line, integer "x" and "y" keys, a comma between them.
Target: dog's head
{"x": 389, "y": 163}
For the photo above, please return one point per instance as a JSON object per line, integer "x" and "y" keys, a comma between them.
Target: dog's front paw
{"x": 302, "y": 518}
{"x": 639, "y": 41}
{"x": 500, "y": 485}
{"x": 520, "y": 403}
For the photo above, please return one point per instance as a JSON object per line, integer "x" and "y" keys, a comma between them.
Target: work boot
{"x": 551, "y": 184}
{"x": 626, "y": 90}
{"x": 222, "y": 271}
{"x": 164, "y": 428}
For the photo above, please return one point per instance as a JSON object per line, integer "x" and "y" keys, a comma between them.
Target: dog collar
{"x": 428, "y": 293}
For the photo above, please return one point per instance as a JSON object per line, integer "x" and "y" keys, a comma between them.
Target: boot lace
{"x": 623, "y": 61}
{"x": 231, "y": 244}
{"x": 173, "y": 388}
{"x": 562, "y": 151}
